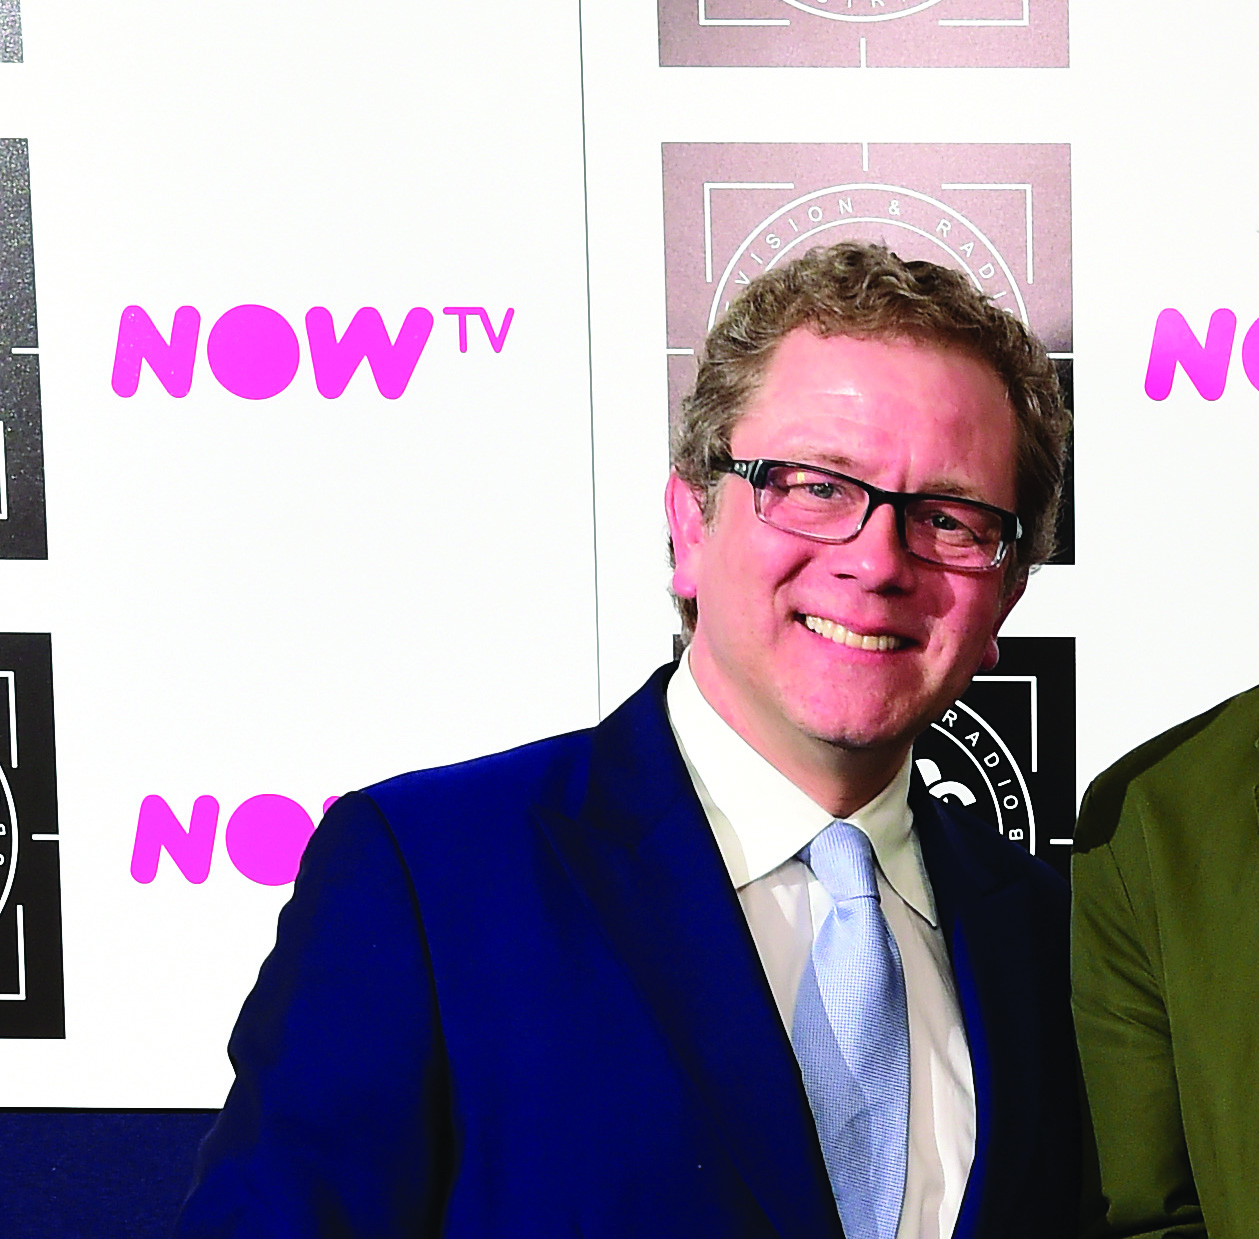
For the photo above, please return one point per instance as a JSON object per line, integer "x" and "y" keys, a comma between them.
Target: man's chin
{"x": 859, "y": 736}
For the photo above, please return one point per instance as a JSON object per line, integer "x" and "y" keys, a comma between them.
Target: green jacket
{"x": 1165, "y": 978}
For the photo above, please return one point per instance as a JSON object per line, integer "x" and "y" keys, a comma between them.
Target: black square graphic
{"x": 1006, "y": 749}
{"x": 32, "y": 995}
{"x": 22, "y": 529}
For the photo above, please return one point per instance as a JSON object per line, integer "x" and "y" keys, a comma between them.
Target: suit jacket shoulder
{"x": 1198, "y": 760}
{"x": 1003, "y": 858}
{"x": 551, "y": 771}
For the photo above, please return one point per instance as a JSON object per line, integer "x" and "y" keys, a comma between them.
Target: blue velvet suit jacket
{"x": 518, "y": 997}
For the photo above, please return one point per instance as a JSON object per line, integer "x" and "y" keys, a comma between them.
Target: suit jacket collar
{"x": 644, "y": 858}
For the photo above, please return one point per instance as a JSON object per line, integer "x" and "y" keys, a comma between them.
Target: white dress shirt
{"x": 761, "y": 820}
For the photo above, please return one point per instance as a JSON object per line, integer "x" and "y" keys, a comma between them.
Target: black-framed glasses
{"x": 827, "y": 506}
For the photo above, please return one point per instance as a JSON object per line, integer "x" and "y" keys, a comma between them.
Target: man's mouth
{"x": 832, "y": 631}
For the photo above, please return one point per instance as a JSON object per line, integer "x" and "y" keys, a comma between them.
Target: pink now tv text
{"x": 254, "y": 353}
{"x": 265, "y": 837}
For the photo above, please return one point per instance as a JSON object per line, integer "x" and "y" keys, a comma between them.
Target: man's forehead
{"x": 918, "y": 415}
{"x": 843, "y": 370}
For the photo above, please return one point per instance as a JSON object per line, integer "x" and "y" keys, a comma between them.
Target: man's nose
{"x": 876, "y": 558}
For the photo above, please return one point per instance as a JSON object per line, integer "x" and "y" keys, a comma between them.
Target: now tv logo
{"x": 254, "y": 352}
{"x": 265, "y": 838}
{"x": 1205, "y": 362}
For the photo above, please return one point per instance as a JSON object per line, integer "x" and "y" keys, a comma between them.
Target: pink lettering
{"x": 1250, "y": 354}
{"x": 253, "y": 352}
{"x": 392, "y": 363}
{"x": 1206, "y": 363}
{"x": 159, "y": 828}
{"x": 463, "y": 311}
{"x": 266, "y": 837}
{"x": 496, "y": 337}
{"x": 140, "y": 341}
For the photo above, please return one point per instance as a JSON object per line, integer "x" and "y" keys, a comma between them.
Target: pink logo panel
{"x": 1001, "y": 213}
{"x": 265, "y": 838}
{"x": 253, "y": 351}
{"x": 865, "y": 33}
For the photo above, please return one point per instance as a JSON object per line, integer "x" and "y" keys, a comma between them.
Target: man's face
{"x": 905, "y": 417}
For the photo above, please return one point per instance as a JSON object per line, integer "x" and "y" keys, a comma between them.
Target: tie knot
{"x": 843, "y": 860}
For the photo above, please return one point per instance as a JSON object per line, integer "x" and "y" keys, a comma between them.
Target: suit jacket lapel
{"x": 641, "y": 852}
{"x": 984, "y": 916}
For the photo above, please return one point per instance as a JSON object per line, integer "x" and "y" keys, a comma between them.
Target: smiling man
{"x": 824, "y": 641}
{"x": 714, "y": 968}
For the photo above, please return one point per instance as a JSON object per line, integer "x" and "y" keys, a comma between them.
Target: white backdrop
{"x": 297, "y": 596}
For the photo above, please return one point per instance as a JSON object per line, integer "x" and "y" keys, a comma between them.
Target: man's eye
{"x": 820, "y": 490}
{"x": 952, "y": 526}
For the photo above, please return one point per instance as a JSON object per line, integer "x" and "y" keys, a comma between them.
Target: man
{"x": 703, "y": 970}
{"x": 1165, "y": 987}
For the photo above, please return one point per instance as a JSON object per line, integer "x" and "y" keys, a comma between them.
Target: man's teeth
{"x": 842, "y": 636}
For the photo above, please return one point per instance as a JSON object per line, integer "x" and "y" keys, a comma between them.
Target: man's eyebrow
{"x": 954, "y": 489}
{"x": 831, "y": 460}
{"x": 845, "y": 464}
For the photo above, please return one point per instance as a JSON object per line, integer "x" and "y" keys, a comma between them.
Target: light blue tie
{"x": 851, "y": 1035}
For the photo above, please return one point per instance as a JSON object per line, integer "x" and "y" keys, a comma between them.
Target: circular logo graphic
{"x": 963, "y": 761}
{"x": 8, "y": 840}
{"x": 913, "y": 224}
{"x": 862, "y": 10}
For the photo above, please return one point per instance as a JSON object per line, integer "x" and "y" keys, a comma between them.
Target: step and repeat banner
{"x": 338, "y": 350}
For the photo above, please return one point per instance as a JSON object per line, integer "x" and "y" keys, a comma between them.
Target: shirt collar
{"x": 760, "y": 819}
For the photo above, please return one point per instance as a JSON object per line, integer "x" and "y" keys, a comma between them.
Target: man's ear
{"x": 687, "y": 534}
{"x": 991, "y": 653}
